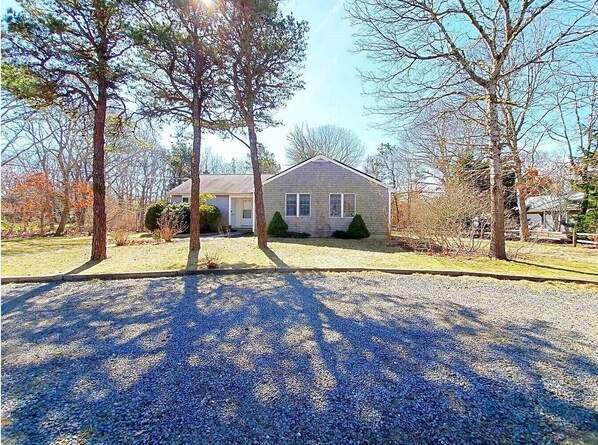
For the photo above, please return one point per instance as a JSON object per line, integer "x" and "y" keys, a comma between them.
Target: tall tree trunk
{"x": 64, "y": 216}
{"x": 194, "y": 236}
{"x": 497, "y": 205}
{"x": 260, "y": 212}
{"x": 524, "y": 234}
{"x": 98, "y": 240}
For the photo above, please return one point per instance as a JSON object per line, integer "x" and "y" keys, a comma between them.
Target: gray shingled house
{"x": 317, "y": 196}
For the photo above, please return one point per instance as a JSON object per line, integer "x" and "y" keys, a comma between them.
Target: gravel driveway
{"x": 284, "y": 358}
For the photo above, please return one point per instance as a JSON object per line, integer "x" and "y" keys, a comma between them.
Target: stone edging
{"x": 178, "y": 273}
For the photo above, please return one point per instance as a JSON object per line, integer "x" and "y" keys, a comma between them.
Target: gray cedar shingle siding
{"x": 221, "y": 201}
{"x": 320, "y": 178}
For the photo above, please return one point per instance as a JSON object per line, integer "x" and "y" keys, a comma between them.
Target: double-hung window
{"x": 298, "y": 204}
{"x": 342, "y": 205}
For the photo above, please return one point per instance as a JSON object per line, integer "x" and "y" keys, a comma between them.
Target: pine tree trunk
{"x": 260, "y": 212}
{"x": 194, "y": 235}
{"x": 497, "y": 205}
{"x": 98, "y": 240}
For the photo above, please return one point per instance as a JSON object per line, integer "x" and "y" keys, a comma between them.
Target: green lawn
{"x": 45, "y": 256}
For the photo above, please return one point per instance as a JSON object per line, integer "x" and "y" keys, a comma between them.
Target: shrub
{"x": 152, "y": 215}
{"x": 277, "y": 227}
{"x": 179, "y": 212}
{"x": 171, "y": 224}
{"x": 341, "y": 234}
{"x": 452, "y": 222}
{"x": 357, "y": 228}
{"x": 211, "y": 260}
{"x": 121, "y": 237}
{"x": 297, "y": 235}
{"x": 209, "y": 216}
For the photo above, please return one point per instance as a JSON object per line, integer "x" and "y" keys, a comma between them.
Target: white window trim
{"x": 342, "y": 205}
{"x": 297, "y": 215}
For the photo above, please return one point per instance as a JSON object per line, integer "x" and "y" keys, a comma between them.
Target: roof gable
{"x": 334, "y": 161}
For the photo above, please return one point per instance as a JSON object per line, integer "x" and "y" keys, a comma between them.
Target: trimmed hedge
{"x": 277, "y": 227}
{"x": 152, "y": 215}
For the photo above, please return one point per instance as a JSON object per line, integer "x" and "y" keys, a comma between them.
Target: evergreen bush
{"x": 277, "y": 227}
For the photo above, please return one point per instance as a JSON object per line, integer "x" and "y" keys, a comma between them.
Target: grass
{"x": 47, "y": 256}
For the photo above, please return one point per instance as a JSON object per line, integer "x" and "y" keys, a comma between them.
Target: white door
{"x": 246, "y": 215}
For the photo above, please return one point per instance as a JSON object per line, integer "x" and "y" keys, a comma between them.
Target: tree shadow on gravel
{"x": 285, "y": 359}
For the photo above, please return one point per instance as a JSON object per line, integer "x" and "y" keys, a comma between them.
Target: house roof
{"x": 547, "y": 203}
{"x": 325, "y": 158}
{"x": 219, "y": 184}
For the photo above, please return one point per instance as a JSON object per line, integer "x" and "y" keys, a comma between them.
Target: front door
{"x": 246, "y": 215}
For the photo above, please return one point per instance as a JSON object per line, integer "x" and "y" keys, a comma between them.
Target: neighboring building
{"x": 317, "y": 196}
{"x": 552, "y": 213}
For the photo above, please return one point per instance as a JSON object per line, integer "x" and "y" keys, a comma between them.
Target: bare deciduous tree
{"x": 328, "y": 140}
{"x": 576, "y": 124}
{"x": 523, "y": 109}
{"x": 461, "y": 50}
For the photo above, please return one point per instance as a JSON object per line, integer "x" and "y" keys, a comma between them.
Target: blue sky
{"x": 332, "y": 93}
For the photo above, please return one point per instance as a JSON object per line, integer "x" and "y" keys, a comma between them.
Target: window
{"x": 348, "y": 205}
{"x": 291, "y": 205}
{"x": 304, "y": 205}
{"x": 246, "y": 213}
{"x": 298, "y": 204}
{"x": 185, "y": 199}
{"x": 335, "y": 205}
{"x": 342, "y": 205}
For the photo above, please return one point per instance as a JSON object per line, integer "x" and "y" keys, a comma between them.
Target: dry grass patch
{"x": 45, "y": 256}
